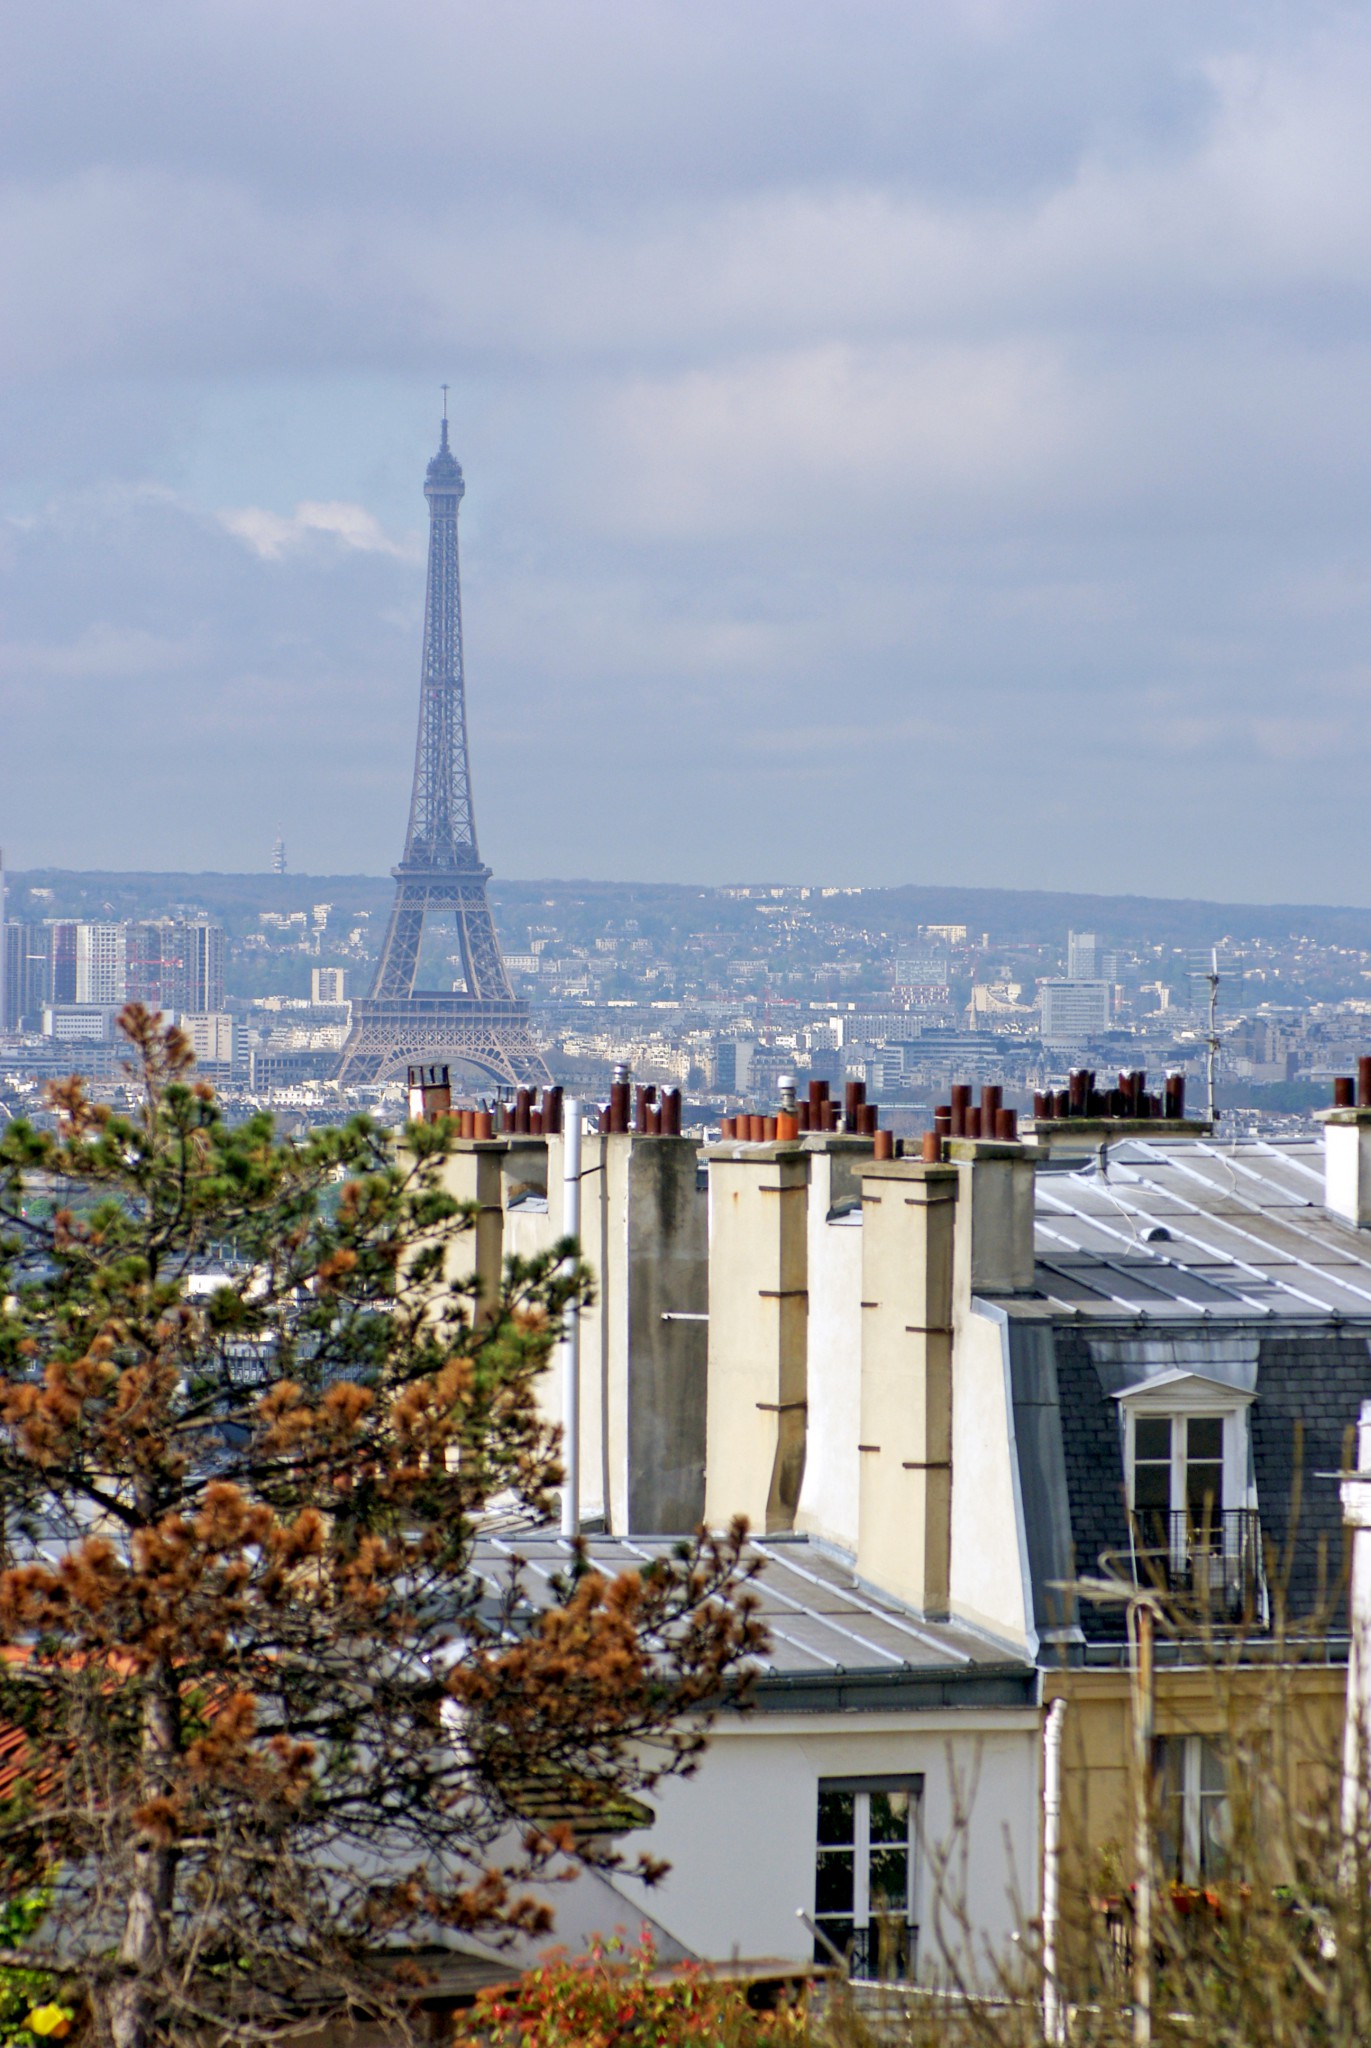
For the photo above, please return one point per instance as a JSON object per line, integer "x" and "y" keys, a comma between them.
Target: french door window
{"x": 864, "y": 1879}
{"x": 1177, "y": 1471}
{"x": 1192, "y": 1808}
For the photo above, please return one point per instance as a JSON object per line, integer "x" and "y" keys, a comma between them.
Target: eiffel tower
{"x": 482, "y": 1025}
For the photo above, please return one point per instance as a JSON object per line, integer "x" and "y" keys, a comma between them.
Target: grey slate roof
{"x": 1253, "y": 1281}
{"x": 1247, "y": 1236}
{"x": 834, "y": 1642}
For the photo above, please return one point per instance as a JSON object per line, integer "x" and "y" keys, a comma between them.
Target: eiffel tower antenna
{"x": 481, "y": 1025}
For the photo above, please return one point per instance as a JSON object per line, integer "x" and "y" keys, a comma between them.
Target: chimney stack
{"x": 430, "y": 1094}
{"x": 1347, "y": 1149}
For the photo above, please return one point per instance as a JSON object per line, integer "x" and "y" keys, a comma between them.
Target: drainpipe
{"x": 1140, "y": 1629}
{"x": 1356, "y": 1513}
{"x": 571, "y": 1343}
{"x": 1054, "y": 2014}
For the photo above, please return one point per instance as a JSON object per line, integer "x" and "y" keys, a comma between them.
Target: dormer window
{"x": 1179, "y": 1466}
{"x": 1192, "y": 1512}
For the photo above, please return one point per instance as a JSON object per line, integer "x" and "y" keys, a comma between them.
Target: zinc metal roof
{"x": 1247, "y": 1237}
{"x": 822, "y": 1623}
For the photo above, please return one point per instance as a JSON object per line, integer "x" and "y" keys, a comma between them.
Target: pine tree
{"x": 276, "y": 1731}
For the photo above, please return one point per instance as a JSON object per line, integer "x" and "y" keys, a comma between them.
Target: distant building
{"x": 328, "y": 985}
{"x": 206, "y": 965}
{"x": 79, "y": 1023}
{"x": 1082, "y": 956}
{"x": 1073, "y": 1011}
{"x": 62, "y": 977}
{"x": 28, "y": 975}
{"x": 101, "y": 965}
{"x": 175, "y": 964}
{"x": 211, "y": 1037}
{"x": 922, "y": 978}
{"x": 733, "y": 1059}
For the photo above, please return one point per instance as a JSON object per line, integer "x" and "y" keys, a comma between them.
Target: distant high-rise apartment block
{"x": 1082, "y": 956}
{"x": 175, "y": 965}
{"x": 1074, "y": 1010}
{"x": 328, "y": 985}
{"x": 62, "y": 988}
{"x": 101, "y": 964}
{"x": 28, "y": 974}
{"x": 206, "y": 949}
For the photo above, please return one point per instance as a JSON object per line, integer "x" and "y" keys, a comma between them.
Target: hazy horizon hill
{"x": 1030, "y": 916}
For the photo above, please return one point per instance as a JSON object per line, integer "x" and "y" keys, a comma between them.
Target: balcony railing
{"x": 1212, "y": 1562}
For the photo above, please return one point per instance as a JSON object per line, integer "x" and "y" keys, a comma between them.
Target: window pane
{"x": 1213, "y": 1776}
{"x": 888, "y": 1958}
{"x": 1206, "y": 1438}
{"x": 833, "y": 1881}
{"x": 839, "y": 1933}
{"x": 1204, "y": 1491}
{"x": 889, "y": 1880}
{"x": 835, "y": 1816}
{"x": 1152, "y": 1438}
{"x": 890, "y": 1816}
{"x": 1167, "y": 1766}
{"x": 1213, "y": 1834}
{"x": 1152, "y": 1486}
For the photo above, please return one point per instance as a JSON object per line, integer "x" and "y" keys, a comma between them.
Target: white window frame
{"x": 862, "y": 1789}
{"x": 1190, "y": 1750}
{"x": 1176, "y": 1397}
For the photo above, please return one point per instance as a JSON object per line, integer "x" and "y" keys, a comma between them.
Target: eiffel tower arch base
{"x": 389, "y": 1035}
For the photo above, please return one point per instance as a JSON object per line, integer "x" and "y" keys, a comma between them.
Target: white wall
{"x": 987, "y": 1586}
{"x": 740, "y": 1835}
{"x": 829, "y": 1494}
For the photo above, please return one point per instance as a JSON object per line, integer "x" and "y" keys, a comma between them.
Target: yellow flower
{"x": 52, "y": 2020}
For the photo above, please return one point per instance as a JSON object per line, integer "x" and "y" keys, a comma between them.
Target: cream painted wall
{"x": 829, "y": 1494}
{"x": 740, "y": 1835}
{"x": 987, "y": 1586}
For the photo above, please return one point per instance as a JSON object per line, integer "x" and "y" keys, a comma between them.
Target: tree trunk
{"x": 130, "y": 2003}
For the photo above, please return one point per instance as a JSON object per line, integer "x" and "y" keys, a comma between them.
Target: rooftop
{"x": 834, "y": 1642}
{"x": 1195, "y": 1229}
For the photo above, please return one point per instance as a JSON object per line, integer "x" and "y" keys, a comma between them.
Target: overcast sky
{"x": 903, "y": 442}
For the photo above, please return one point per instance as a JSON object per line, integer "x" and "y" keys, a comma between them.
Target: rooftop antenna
{"x": 1212, "y": 1042}
{"x": 445, "y": 401}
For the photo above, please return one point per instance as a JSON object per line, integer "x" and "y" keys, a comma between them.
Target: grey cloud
{"x": 900, "y": 442}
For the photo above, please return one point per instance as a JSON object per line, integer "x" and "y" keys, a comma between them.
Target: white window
{"x": 1192, "y": 1509}
{"x": 1192, "y": 1808}
{"x": 1178, "y": 1467}
{"x": 864, "y": 1889}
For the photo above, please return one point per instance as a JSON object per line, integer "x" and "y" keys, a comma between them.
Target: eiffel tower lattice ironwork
{"x": 483, "y": 1025}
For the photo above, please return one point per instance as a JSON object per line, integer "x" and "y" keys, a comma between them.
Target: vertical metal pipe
{"x": 1054, "y": 2013}
{"x": 1140, "y": 1628}
{"x": 571, "y": 1341}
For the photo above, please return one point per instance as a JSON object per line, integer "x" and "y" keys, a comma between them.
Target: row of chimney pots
{"x": 645, "y": 1112}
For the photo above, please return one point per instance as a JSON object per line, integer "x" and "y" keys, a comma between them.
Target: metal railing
{"x": 1211, "y": 1561}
